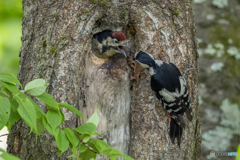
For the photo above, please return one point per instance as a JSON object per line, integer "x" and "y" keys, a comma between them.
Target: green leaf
{"x": 63, "y": 118}
{"x": 75, "y": 152}
{"x": 113, "y": 158}
{"x": 27, "y": 111}
{"x": 54, "y": 118}
{"x": 105, "y": 149}
{"x": 94, "y": 118}
{"x": 87, "y": 128}
{"x": 8, "y": 78}
{"x": 86, "y": 138}
{"x": 82, "y": 148}
{"x": 39, "y": 111}
{"x": 72, "y": 137}
{"x": 2, "y": 94}
{"x": 11, "y": 87}
{"x": 101, "y": 145}
{"x": 71, "y": 108}
{"x": 5, "y": 109}
{"x": 62, "y": 141}
{"x": 49, "y": 101}
{"x": 4, "y": 90}
{"x": 36, "y": 87}
{"x": 40, "y": 127}
{"x": 14, "y": 117}
{"x": 87, "y": 155}
{"x": 111, "y": 152}
{"x": 8, "y": 156}
{"x": 238, "y": 151}
{"x": 90, "y": 143}
{"x": 47, "y": 126}
{"x": 13, "y": 102}
{"x": 127, "y": 157}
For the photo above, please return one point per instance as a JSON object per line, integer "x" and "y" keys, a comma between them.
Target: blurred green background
{"x": 10, "y": 35}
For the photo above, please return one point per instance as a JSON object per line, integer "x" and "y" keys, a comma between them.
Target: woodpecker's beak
{"x": 120, "y": 48}
{"x": 124, "y": 45}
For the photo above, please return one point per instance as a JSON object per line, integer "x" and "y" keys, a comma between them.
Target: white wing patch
{"x": 177, "y": 109}
{"x": 171, "y": 96}
{"x": 168, "y": 96}
{"x": 172, "y": 104}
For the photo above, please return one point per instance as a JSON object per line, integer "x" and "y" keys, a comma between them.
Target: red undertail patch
{"x": 169, "y": 116}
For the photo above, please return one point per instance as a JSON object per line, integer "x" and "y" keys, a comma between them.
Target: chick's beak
{"x": 122, "y": 50}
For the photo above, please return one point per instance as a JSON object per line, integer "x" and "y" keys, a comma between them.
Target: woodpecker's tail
{"x": 175, "y": 131}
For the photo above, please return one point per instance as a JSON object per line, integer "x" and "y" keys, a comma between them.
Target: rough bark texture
{"x": 131, "y": 118}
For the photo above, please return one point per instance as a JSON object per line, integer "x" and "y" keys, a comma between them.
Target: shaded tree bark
{"x": 56, "y": 46}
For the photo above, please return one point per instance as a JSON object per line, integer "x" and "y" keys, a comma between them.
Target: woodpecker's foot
{"x": 131, "y": 54}
{"x": 185, "y": 72}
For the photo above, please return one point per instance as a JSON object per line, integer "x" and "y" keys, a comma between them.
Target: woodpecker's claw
{"x": 130, "y": 50}
{"x": 185, "y": 72}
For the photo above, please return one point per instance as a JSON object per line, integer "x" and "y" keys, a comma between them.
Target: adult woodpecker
{"x": 107, "y": 43}
{"x": 171, "y": 89}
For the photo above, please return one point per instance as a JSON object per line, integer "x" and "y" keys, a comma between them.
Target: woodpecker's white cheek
{"x": 159, "y": 62}
{"x": 143, "y": 65}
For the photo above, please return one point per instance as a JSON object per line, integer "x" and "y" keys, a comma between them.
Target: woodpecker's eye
{"x": 116, "y": 41}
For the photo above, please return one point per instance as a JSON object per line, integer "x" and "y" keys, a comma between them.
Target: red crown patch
{"x": 119, "y": 35}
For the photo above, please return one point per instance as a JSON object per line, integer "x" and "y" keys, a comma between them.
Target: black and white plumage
{"x": 171, "y": 90}
{"x": 107, "y": 43}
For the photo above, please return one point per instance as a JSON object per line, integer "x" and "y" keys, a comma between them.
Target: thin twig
{"x": 5, "y": 93}
{"x": 78, "y": 154}
{"x": 90, "y": 149}
{"x": 185, "y": 72}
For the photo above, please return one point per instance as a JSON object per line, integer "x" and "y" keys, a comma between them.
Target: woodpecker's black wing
{"x": 167, "y": 80}
{"x": 156, "y": 87}
{"x": 167, "y": 76}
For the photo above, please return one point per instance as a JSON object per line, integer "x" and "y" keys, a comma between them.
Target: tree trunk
{"x": 131, "y": 118}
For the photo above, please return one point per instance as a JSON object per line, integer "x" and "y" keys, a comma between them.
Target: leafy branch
{"x": 17, "y": 105}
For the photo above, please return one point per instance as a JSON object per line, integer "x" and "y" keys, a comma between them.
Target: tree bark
{"x": 131, "y": 118}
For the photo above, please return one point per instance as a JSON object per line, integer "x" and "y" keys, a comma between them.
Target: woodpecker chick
{"x": 171, "y": 90}
{"x": 107, "y": 43}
